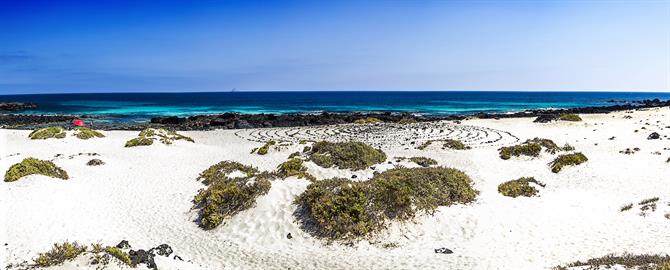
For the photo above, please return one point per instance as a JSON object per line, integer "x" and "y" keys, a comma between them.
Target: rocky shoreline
{"x": 242, "y": 121}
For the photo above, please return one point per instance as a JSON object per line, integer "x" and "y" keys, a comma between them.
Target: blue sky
{"x": 117, "y": 46}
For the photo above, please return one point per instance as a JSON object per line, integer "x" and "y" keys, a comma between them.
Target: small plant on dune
{"x": 668, "y": 161}
{"x": 302, "y": 142}
{"x": 294, "y": 167}
{"x": 549, "y": 145}
{"x": 455, "y": 144}
{"x": 85, "y": 133}
{"x": 570, "y": 117}
{"x": 407, "y": 120}
{"x": 367, "y": 120}
{"x": 627, "y": 261}
{"x": 119, "y": 254}
{"x": 648, "y": 201}
{"x": 423, "y": 161}
{"x": 345, "y": 155}
{"x": 264, "y": 149}
{"x": 226, "y": 196}
{"x": 567, "y": 160}
{"x": 47, "y": 133}
{"x": 147, "y": 136}
{"x": 424, "y": 145}
{"x": 59, "y": 253}
{"x": 31, "y": 166}
{"x": 519, "y": 187}
{"x": 526, "y": 149}
{"x": 626, "y": 207}
{"x": 339, "y": 209}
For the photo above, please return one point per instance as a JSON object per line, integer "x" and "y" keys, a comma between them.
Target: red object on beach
{"x": 78, "y": 122}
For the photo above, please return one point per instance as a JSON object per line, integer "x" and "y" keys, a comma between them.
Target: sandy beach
{"x": 144, "y": 195}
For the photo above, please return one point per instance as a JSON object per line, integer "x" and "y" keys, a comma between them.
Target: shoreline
{"x": 244, "y": 121}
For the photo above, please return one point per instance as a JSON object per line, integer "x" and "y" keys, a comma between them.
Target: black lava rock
{"x": 443, "y": 251}
{"x": 162, "y": 250}
{"x": 289, "y": 236}
{"x": 654, "y": 136}
{"x": 95, "y": 162}
{"x": 123, "y": 244}
{"x": 142, "y": 256}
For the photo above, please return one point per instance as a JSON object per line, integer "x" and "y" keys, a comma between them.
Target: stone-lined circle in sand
{"x": 385, "y": 134}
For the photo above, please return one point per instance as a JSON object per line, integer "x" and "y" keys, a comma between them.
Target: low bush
{"x": 119, "y": 254}
{"x": 294, "y": 167}
{"x": 147, "y": 136}
{"x": 85, "y": 133}
{"x": 367, "y": 120}
{"x": 424, "y": 145}
{"x": 345, "y": 155}
{"x": 31, "y": 166}
{"x": 526, "y": 149}
{"x": 549, "y": 145}
{"x": 627, "y": 261}
{"x": 339, "y": 209}
{"x": 570, "y": 117}
{"x": 225, "y": 196}
{"x": 567, "y": 160}
{"x": 423, "y": 161}
{"x": 626, "y": 207}
{"x": 47, "y": 133}
{"x": 455, "y": 144}
{"x": 265, "y": 148}
{"x": 407, "y": 120}
{"x": 59, "y": 253}
{"x": 519, "y": 187}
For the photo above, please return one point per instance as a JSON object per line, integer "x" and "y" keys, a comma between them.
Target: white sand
{"x": 143, "y": 195}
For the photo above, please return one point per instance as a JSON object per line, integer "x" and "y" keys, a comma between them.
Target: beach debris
{"x": 78, "y": 122}
{"x": 443, "y": 250}
{"x": 654, "y": 136}
{"x": 95, "y": 162}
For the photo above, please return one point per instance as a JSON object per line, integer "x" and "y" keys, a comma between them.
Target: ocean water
{"x": 143, "y": 106}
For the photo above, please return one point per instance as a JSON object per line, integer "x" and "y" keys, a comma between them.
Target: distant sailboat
{"x": 233, "y": 90}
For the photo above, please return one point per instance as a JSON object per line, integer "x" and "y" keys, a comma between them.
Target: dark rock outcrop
{"x": 123, "y": 244}
{"x": 142, "y": 256}
{"x": 654, "y": 136}
{"x": 16, "y": 106}
{"x": 161, "y": 250}
{"x": 443, "y": 251}
{"x": 95, "y": 162}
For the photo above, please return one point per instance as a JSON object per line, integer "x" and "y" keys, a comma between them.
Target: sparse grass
{"x": 59, "y": 253}
{"x": 570, "y": 117}
{"x": 31, "y": 166}
{"x": 519, "y": 187}
{"x": 346, "y": 155}
{"x": 294, "y": 167}
{"x": 628, "y": 261}
{"x": 47, "y": 133}
{"x": 85, "y": 133}
{"x": 147, "y": 136}
{"x": 549, "y": 145}
{"x": 648, "y": 201}
{"x": 367, "y": 120}
{"x": 339, "y": 209}
{"x": 423, "y": 161}
{"x": 424, "y": 145}
{"x": 567, "y": 160}
{"x": 225, "y": 196}
{"x": 455, "y": 144}
{"x": 263, "y": 150}
{"x": 119, "y": 254}
{"x": 626, "y": 207}
{"x": 526, "y": 149}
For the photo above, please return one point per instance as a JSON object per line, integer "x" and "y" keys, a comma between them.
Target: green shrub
{"x": 339, "y": 209}
{"x": 119, "y": 254}
{"x": 526, "y": 149}
{"x": 367, "y": 120}
{"x": 302, "y": 142}
{"x": 424, "y": 145}
{"x": 549, "y": 145}
{"x": 570, "y": 117}
{"x": 85, "y": 133}
{"x": 346, "y": 155}
{"x": 455, "y": 144}
{"x": 627, "y": 261}
{"x": 519, "y": 187}
{"x": 423, "y": 161}
{"x": 406, "y": 120}
{"x": 31, "y": 166}
{"x": 59, "y": 254}
{"x": 46, "y": 133}
{"x": 294, "y": 167}
{"x": 222, "y": 170}
{"x": 226, "y": 196}
{"x": 567, "y": 160}
{"x": 147, "y": 136}
{"x": 264, "y": 149}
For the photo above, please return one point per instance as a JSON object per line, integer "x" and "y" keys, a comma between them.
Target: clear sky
{"x": 117, "y": 46}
